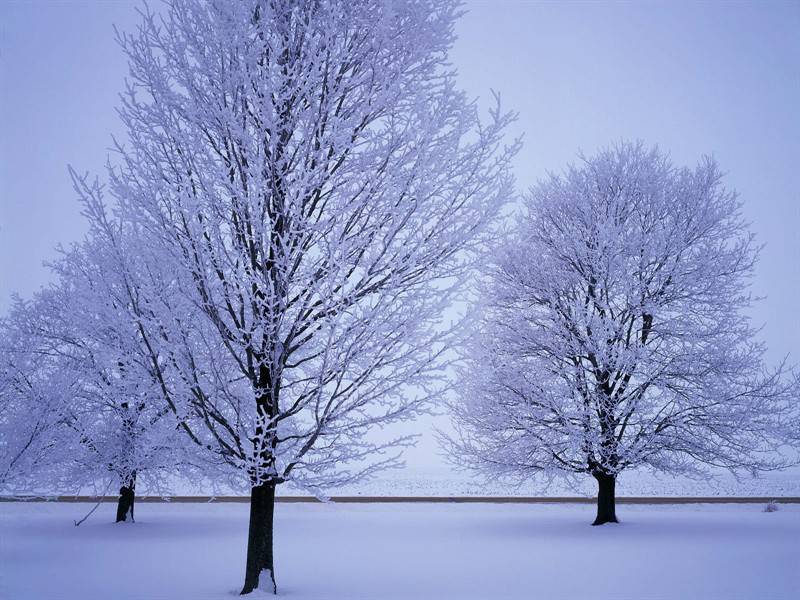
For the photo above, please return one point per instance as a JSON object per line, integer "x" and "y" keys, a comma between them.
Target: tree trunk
{"x": 127, "y": 494}
{"x": 259, "y": 539}
{"x": 606, "y": 498}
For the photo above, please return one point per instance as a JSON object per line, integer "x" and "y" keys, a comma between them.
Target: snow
{"x": 441, "y": 551}
{"x": 265, "y": 581}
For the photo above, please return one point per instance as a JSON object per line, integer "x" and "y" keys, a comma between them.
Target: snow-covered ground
{"x": 408, "y": 551}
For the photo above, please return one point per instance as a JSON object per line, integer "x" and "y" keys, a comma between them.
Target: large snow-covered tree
{"x": 615, "y": 333}
{"x": 315, "y": 185}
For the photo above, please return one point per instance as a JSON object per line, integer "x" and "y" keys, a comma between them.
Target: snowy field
{"x": 409, "y": 551}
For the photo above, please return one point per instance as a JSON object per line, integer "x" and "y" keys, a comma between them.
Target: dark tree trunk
{"x": 127, "y": 494}
{"x": 259, "y": 539}
{"x": 606, "y": 498}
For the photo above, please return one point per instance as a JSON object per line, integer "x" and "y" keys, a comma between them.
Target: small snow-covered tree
{"x": 315, "y": 184}
{"x": 103, "y": 302}
{"x": 615, "y": 333}
{"x": 79, "y": 375}
{"x": 122, "y": 428}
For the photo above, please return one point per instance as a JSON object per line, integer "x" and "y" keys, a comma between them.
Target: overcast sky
{"x": 695, "y": 78}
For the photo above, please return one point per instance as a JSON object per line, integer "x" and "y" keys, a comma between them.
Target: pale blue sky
{"x": 695, "y": 77}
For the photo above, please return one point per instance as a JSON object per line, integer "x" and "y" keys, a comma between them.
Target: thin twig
{"x": 89, "y": 514}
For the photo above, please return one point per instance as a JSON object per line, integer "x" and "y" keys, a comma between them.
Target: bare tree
{"x": 312, "y": 185}
{"x": 615, "y": 333}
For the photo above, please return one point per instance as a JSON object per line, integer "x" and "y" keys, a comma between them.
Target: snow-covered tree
{"x": 123, "y": 428}
{"x": 78, "y": 374}
{"x": 315, "y": 184}
{"x": 615, "y": 333}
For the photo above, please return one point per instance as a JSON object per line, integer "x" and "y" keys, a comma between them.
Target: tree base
{"x": 266, "y": 583}
{"x": 125, "y": 504}
{"x": 606, "y": 499}
{"x": 260, "y": 572}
